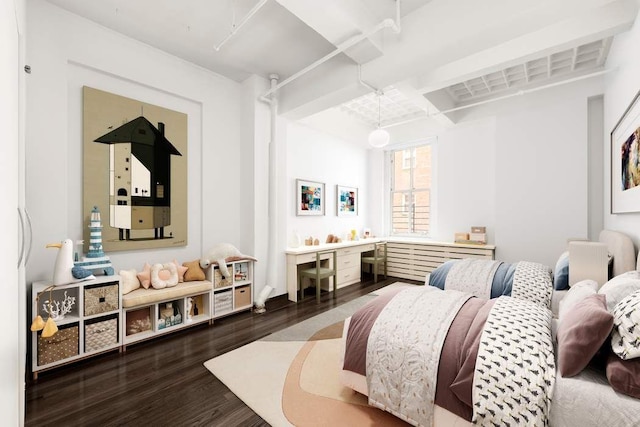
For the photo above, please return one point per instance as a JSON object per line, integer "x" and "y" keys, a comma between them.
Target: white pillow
{"x": 164, "y": 275}
{"x": 129, "y": 280}
{"x": 619, "y": 287}
{"x": 575, "y": 294}
{"x": 625, "y": 339}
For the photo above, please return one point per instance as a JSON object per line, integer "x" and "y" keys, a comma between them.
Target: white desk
{"x": 348, "y": 260}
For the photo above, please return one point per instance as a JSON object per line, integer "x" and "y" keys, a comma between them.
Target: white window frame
{"x": 409, "y": 148}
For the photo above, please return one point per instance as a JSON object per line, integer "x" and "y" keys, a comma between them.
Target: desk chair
{"x": 379, "y": 258}
{"x": 318, "y": 273}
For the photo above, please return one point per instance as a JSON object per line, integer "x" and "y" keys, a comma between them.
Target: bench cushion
{"x": 143, "y": 296}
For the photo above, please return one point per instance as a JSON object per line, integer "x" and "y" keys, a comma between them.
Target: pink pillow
{"x": 581, "y": 333}
{"x": 145, "y": 276}
{"x": 624, "y": 375}
{"x": 181, "y": 270}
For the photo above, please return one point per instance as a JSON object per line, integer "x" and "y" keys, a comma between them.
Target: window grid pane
{"x": 411, "y": 191}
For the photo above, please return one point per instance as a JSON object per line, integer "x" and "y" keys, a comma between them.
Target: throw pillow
{"x": 194, "y": 271}
{"x": 561, "y": 273}
{"x": 164, "y": 275}
{"x": 145, "y": 276}
{"x": 619, "y": 287}
{"x": 575, "y": 294}
{"x": 129, "y": 280}
{"x": 624, "y": 375}
{"x": 181, "y": 270}
{"x": 585, "y": 327}
{"x": 625, "y": 340}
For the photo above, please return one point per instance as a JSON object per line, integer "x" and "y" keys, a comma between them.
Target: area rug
{"x": 291, "y": 377}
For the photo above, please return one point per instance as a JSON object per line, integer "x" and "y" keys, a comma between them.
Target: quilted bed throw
{"x": 403, "y": 352}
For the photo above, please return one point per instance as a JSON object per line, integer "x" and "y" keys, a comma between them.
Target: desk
{"x": 348, "y": 259}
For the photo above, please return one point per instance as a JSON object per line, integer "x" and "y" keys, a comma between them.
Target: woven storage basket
{"x": 101, "y": 299}
{"x": 100, "y": 335}
{"x": 62, "y": 345}
{"x": 219, "y": 281}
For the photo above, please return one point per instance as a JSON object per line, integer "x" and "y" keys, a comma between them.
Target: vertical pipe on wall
{"x": 272, "y": 240}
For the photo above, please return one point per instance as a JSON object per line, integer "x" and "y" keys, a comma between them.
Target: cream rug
{"x": 291, "y": 377}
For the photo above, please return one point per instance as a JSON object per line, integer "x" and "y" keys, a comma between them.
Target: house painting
{"x": 139, "y": 178}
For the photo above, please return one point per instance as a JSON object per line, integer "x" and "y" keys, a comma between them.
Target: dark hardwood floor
{"x": 163, "y": 382}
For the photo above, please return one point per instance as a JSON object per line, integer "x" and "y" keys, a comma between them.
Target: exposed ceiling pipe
{"x": 386, "y": 23}
{"x": 244, "y": 20}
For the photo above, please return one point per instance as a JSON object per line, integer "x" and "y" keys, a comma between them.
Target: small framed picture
{"x": 346, "y": 200}
{"x": 310, "y": 197}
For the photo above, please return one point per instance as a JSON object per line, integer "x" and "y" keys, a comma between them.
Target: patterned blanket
{"x": 416, "y": 348}
{"x": 403, "y": 352}
{"x": 515, "y": 369}
{"x": 474, "y": 276}
{"x": 492, "y": 279}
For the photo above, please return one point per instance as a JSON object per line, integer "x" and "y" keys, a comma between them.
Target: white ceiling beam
{"x": 582, "y": 28}
{"x": 431, "y": 105}
{"x": 339, "y": 20}
{"x": 463, "y": 51}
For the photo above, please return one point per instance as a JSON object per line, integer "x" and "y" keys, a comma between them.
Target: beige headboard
{"x": 621, "y": 247}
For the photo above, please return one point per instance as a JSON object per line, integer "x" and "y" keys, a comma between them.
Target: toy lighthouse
{"x": 96, "y": 259}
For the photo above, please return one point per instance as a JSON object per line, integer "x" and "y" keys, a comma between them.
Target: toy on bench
{"x": 222, "y": 253}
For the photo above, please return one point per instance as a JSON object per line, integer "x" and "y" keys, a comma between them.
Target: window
{"x": 411, "y": 190}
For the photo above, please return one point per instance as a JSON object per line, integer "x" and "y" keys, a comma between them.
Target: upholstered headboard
{"x": 621, "y": 247}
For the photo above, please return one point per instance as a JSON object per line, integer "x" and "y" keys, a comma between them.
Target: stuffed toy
{"x": 221, "y": 254}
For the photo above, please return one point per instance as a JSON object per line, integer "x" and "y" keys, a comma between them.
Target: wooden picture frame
{"x": 346, "y": 201}
{"x": 625, "y": 160}
{"x": 310, "y": 198}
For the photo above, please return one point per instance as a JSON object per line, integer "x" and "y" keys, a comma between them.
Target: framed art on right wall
{"x": 346, "y": 201}
{"x": 625, "y": 161}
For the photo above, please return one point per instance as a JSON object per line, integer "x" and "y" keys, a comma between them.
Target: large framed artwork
{"x": 310, "y": 197}
{"x": 625, "y": 161}
{"x": 134, "y": 172}
{"x": 346, "y": 200}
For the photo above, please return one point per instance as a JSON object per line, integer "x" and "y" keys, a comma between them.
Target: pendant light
{"x": 379, "y": 137}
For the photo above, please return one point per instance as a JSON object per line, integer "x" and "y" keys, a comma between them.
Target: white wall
{"x": 519, "y": 167}
{"x": 621, "y": 86}
{"x": 316, "y": 156}
{"x": 66, "y": 52}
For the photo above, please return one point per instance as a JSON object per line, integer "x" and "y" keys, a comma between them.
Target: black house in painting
{"x": 140, "y": 177}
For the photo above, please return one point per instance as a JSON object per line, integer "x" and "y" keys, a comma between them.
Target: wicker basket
{"x": 101, "y": 299}
{"x": 219, "y": 281}
{"x": 62, "y": 345}
{"x": 100, "y": 335}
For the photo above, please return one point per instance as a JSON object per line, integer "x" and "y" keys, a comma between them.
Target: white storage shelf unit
{"x": 92, "y": 326}
{"x": 166, "y": 316}
{"x": 235, "y": 293}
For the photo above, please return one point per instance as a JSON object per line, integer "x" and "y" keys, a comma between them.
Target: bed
{"x": 465, "y": 377}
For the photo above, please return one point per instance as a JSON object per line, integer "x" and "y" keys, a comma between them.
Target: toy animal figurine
{"x": 221, "y": 254}
{"x": 64, "y": 270}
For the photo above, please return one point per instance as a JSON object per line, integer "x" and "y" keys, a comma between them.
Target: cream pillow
{"x": 129, "y": 281}
{"x": 619, "y": 287}
{"x": 575, "y": 294}
{"x": 164, "y": 275}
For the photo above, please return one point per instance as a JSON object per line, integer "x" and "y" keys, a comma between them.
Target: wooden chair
{"x": 379, "y": 258}
{"x": 319, "y": 272}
